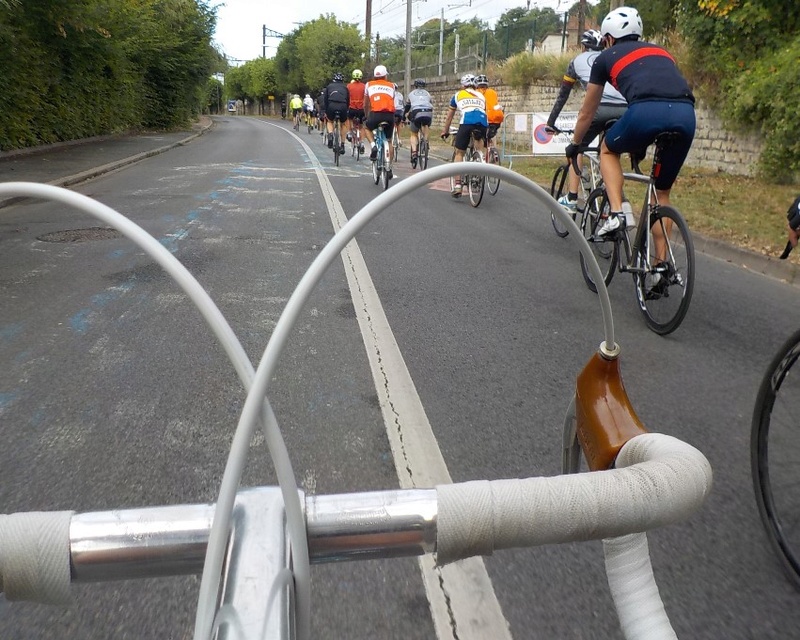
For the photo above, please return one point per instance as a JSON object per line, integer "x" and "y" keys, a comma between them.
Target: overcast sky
{"x": 240, "y": 22}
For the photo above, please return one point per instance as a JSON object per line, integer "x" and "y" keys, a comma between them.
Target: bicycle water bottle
{"x": 627, "y": 214}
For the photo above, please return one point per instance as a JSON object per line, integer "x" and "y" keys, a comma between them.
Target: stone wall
{"x": 713, "y": 147}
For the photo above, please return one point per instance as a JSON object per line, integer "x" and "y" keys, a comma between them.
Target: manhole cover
{"x": 81, "y": 235}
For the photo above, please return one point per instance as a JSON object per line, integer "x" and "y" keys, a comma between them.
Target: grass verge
{"x": 745, "y": 212}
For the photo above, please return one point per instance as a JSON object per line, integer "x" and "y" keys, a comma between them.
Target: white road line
{"x": 462, "y": 599}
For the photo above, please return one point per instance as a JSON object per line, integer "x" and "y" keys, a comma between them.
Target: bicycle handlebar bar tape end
{"x": 35, "y": 557}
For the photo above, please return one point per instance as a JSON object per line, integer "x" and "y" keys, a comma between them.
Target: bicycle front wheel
{"x": 665, "y": 281}
{"x": 558, "y": 188}
{"x": 476, "y": 183}
{"x": 492, "y": 182}
{"x": 604, "y": 248}
{"x": 775, "y": 456}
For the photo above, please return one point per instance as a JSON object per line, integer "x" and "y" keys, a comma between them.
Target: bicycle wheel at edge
{"x": 605, "y": 250}
{"x": 775, "y": 456}
{"x": 476, "y": 183}
{"x": 491, "y": 182}
{"x": 558, "y": 189}
{"x": 663, "y": 312}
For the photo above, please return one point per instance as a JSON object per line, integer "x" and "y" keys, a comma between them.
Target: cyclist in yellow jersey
{"x": 472, "y": 105}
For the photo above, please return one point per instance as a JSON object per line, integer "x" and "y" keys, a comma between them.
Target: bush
{"x": 525, "y": 69}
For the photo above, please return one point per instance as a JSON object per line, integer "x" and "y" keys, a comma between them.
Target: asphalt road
{"x": 113, "y": 393}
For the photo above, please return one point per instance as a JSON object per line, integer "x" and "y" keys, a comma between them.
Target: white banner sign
{"x": 545, "y": 143}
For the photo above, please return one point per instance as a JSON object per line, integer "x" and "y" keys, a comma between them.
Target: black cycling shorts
{"x": 336, "y": 111}
{"x": 376, "y": 117}
{"x": 465, "y": 131}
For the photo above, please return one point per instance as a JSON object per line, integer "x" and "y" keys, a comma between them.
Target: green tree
{"x": 325, "y": 46}
{"x": 745, "y": 53}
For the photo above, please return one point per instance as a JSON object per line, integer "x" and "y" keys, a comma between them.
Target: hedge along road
{"x": 492, "y": 320}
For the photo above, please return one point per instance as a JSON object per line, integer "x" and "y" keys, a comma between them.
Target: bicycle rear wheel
{"x": 775, "y": 456}
{"x": 558, "y": 188}
{"x": 605, "y": 248}
{"x": 377, "y": 165}
{"x": 492, "y": 182}
{"x": 336, "y": 146}
{"x": 476, "y": 183}
{"x": 665, "y": 289}
{"x": 386, "y": 173}
{"x": 423, "y": 153}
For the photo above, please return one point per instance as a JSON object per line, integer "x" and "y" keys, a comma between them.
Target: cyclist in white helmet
{"x": 472, "y": 105}
{"x": 659, "y": 100}
{"x": 612, "y": 104}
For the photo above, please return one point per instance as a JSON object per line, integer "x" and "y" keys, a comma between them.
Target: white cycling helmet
{"x": 380, "y": 71}
{"x": 622, "y": 22}
{"x": 468, "y": 80}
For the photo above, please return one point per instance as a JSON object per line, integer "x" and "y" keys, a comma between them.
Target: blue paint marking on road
{"x": 7, "y": 399}
{"x": 193, "y": 215}
{"x": 10, "y": 331}
{"x": 116, "y": 254}
{"x": 80, "y": 321}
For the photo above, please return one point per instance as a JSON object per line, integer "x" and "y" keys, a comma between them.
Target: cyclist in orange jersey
{"x": 378, "y": 106}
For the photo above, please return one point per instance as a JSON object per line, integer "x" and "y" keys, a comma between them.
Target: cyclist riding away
{"x": 419, "y": 110}
{"x": 612, "y": 104}
{"x": 308, "y": 108}
{"x": 296, "y": 105}
{"x": 335, "y": 98}
{"x": 472, "y": 105}
{"x": 399, "y": 111}
{"x": 494, "y": 110}
{"x": 356, "y": 106}
{"x": 793, "y": 221}
{"x": 378, "y": 106}
{"x": 659, "y": 99}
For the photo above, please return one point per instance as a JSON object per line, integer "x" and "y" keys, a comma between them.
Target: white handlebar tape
{"x": 634, "y": 590}
{"x": 34, "y": 556}
{"x": 667, "y": 480}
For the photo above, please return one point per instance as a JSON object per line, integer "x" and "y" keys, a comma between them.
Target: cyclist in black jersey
{"x": 793, "y": 222}
{"x": 659, "y": 99}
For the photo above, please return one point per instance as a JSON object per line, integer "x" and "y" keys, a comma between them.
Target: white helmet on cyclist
{"x": 592, "y": 39}
{"x": 468, "y": 80}
{"x": 380, "y": 71}
{"x": 482, "y": 80}
{"x": 622, "y": 22}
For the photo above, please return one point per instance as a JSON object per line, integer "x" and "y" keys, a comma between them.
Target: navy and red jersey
{"x": 641, "y": 71}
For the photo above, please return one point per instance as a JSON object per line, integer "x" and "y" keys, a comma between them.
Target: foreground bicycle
{"x": 423, "y": 149}
{"x": 659, "y": 254}
{"x": 255, "y": 575}
{"x": 775, "y": 454}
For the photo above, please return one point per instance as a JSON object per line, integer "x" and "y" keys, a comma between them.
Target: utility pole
{"x": 368, "y": 30}
{"x": 581, "y": 19}
{"x": 266, "y": 32}
{"x": 441, "y": 40}
{"x": 408, "y": 47}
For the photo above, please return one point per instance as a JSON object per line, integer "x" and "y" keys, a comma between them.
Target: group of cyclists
{"x": 363, "y": 106}
{"x": 634, "y": 84}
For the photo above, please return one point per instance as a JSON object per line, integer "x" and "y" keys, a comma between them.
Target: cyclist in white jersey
{"x": 419, "y": 110}
{"x": 612, "y": 105}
